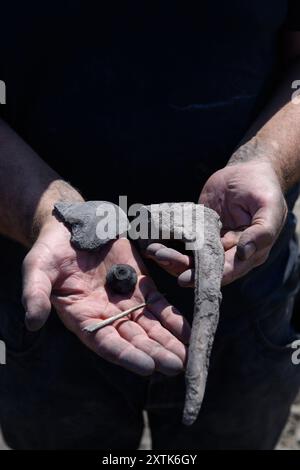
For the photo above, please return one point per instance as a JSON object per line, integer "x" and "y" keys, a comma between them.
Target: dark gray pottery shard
{"x": 82, "y": 219}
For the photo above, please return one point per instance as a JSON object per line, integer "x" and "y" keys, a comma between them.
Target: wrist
{"x": 43, "y": 217}
{"x": 258, "y": 151}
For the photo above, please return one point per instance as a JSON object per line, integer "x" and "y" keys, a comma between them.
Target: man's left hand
{"x": 249, "y": 199}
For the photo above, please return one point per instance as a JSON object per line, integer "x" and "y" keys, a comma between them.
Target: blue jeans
{"x": 57, "y": 394}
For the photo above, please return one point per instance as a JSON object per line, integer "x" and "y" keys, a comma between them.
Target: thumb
{"x": 36, "y": 295}
{"x": 259, "y": 236}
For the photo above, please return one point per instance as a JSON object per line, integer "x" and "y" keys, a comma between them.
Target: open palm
{"x": 73, "y": 281}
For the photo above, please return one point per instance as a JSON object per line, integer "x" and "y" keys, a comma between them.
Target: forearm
{"x": 28, "y": 189}
{"x": 275, "y": 136}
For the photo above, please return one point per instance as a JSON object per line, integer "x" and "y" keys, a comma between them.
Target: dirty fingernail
{"x": 164, "y": 256}
{"x": 164, "y": 263}
{"x": 153, "y": 248}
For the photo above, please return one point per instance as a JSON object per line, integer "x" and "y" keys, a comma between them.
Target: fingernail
{"x": 162, "y": 256}
{"x": 186, "y": 278}
{"x": 245, "y": 252}
{"x": 163, "y": 262}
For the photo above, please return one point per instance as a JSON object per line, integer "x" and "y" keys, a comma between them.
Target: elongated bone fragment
{"x": 199, "y": 227}
{"x": 97, "y": 326}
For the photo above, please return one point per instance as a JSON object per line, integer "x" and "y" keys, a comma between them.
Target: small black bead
{"x": 121, "y": 278}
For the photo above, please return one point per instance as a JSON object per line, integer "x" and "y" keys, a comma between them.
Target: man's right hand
{"x": 73, "y": 282}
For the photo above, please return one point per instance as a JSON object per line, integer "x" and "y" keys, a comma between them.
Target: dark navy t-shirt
{"x": 144, "y": 99}
{"x": 153, "y": 98}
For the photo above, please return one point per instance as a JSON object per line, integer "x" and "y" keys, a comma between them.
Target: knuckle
{"x": 154, "y": 330}
{"x": 167, "y": 316}
{"x": 137, "y": 339}
{"x": 155, "y": 350}
{"x": 30, "y": 262}
{"x": 172, "y": 344}
{"x": 268, "y": 196}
